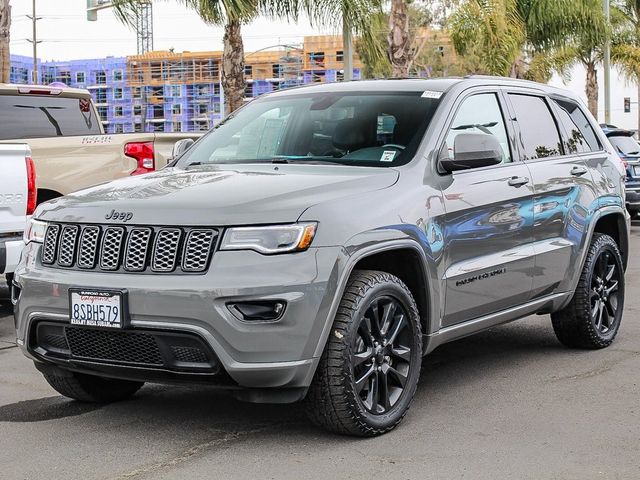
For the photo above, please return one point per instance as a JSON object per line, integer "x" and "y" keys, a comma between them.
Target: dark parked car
{"x": 629, "y": 150}
{"x": 321, "y": 240}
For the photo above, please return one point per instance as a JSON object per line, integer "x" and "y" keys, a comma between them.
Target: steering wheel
{"x": 393, "y": 145}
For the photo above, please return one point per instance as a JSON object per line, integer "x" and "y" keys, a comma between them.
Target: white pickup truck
{"x": 17, "y": 201}
{"x": 70, "y": 149}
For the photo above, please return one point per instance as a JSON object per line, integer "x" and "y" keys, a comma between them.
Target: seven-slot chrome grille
{"x": 130, "y": 249}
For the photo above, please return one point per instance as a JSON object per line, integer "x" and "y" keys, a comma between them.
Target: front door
{"x": 488, "y": 231}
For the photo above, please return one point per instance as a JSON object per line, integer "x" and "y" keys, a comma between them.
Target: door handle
{"x": 578, "y": 171}
{"x": 518, "y": 181}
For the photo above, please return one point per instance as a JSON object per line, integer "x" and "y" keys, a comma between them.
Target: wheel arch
{"x": 405, "y": 263}
{"x": 613, "y": 223}
{"x": 376, "y": 257}
{"x": 610, "y": 220}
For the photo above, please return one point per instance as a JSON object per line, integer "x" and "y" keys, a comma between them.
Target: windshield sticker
{"x": 388, "y": 156}
{"x": 431, "y": 94}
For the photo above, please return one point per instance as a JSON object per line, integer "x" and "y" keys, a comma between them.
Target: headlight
{"x": 35, "y": 231}
{"x": 272, "y": 239}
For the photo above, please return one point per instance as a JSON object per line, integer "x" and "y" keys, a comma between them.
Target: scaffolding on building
{"x": 166, "y": 91}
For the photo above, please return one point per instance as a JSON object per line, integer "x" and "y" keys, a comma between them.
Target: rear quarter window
{"x": 581, "y": 136}
{"x": 23, "y": 116}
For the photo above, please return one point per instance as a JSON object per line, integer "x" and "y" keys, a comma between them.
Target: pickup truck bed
{"x": 68, "y": 164}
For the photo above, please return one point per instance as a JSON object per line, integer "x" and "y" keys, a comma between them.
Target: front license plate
{"x": 96, "y": 308}
{"x": 636, "y": 170}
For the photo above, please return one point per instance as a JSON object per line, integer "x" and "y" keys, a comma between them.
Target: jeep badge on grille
{"x": 124, "y": 216}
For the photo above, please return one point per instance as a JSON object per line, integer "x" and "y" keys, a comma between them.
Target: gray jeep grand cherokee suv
{"x": 321, "y": 240}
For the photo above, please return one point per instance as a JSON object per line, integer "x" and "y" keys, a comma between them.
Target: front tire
{"x": 91, "y": 388}
{"x": 369, "y": 371}
{"x": 592, "y": 318}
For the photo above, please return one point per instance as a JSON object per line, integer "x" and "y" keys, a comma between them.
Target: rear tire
{"x": 592, "y": 318}
{"x": 91, "y": 388}
{"x": 368, "y": 373}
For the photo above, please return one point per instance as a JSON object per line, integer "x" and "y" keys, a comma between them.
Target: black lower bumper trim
{"x": 132, "y": 354}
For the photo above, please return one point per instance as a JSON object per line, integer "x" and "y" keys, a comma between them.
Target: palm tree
{"x": 234, "y": 13}
{"x": 398, "y": 39}
{"x": 509, "y": 29}
{"x": 492, "y": 29}
{"x": 533, "y": 38}
{"x": 5, "y": 26}
{"x": 402, "y": 35}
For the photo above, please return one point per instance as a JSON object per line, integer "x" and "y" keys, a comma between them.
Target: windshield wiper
{"x": 305, "y": 159}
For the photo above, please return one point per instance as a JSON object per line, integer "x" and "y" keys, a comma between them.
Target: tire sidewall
{"x": 606, "y": 243}
{"x": 391, "y": 418}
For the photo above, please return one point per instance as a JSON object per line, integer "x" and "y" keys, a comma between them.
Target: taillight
{"x": 32, "y": 192}
{"x": 143, "y": 153}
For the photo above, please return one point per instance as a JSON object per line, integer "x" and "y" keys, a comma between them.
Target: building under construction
{"x": 167, "y": 91}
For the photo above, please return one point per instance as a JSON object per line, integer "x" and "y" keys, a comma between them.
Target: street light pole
{"x": 607, "y": 68}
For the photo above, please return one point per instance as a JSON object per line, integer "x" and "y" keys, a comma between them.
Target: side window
{"x": 480, "y": 114}
{"x": 582, "y": 138}
{"x": 539, "y": 135}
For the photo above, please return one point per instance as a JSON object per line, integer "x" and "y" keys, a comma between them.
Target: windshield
{"x": 368, "y": 129}
{"x": 625, "y": 145}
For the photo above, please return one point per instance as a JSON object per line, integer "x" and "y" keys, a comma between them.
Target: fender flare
{"x": 624, "y": 238}
{"x": 348, "y": 270}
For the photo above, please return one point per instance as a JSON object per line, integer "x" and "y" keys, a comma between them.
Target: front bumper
{"x": 10, "y": 250}
{"x": 259, "y": 355}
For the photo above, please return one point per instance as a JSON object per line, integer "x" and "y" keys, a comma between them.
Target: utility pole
{"x": 143, "y": 21}
{"x": 34, "y": 40}
{"x": 607, "y": 68}
{"x": 347, "y": 53}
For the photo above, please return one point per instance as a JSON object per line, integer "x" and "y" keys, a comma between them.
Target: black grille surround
{"x": 129, "y": 248}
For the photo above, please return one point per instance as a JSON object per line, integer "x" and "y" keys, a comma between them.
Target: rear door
{"x": 552, "y": 146}
{"x": 488, "y": 231}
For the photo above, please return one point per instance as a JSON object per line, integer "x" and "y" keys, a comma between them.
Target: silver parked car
{"x": 321, "y": 240}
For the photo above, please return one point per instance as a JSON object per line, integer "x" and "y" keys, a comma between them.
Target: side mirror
{"x": 181, "y": 146}
{"x": 472, "y": 150}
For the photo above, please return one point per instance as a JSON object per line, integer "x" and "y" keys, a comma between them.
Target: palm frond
{"x": 559, "y": 61}
{"x": 626, "y": 58}
{"x": 550, "y": 23}
{"x": 493, "y": 29}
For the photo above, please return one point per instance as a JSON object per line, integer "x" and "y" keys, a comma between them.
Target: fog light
{"x": 258, "y": 311}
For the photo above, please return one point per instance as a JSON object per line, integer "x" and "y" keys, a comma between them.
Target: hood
{"x": 217, "y": 195}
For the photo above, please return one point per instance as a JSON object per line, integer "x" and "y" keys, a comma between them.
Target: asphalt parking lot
{"x": 508, "y": 403}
